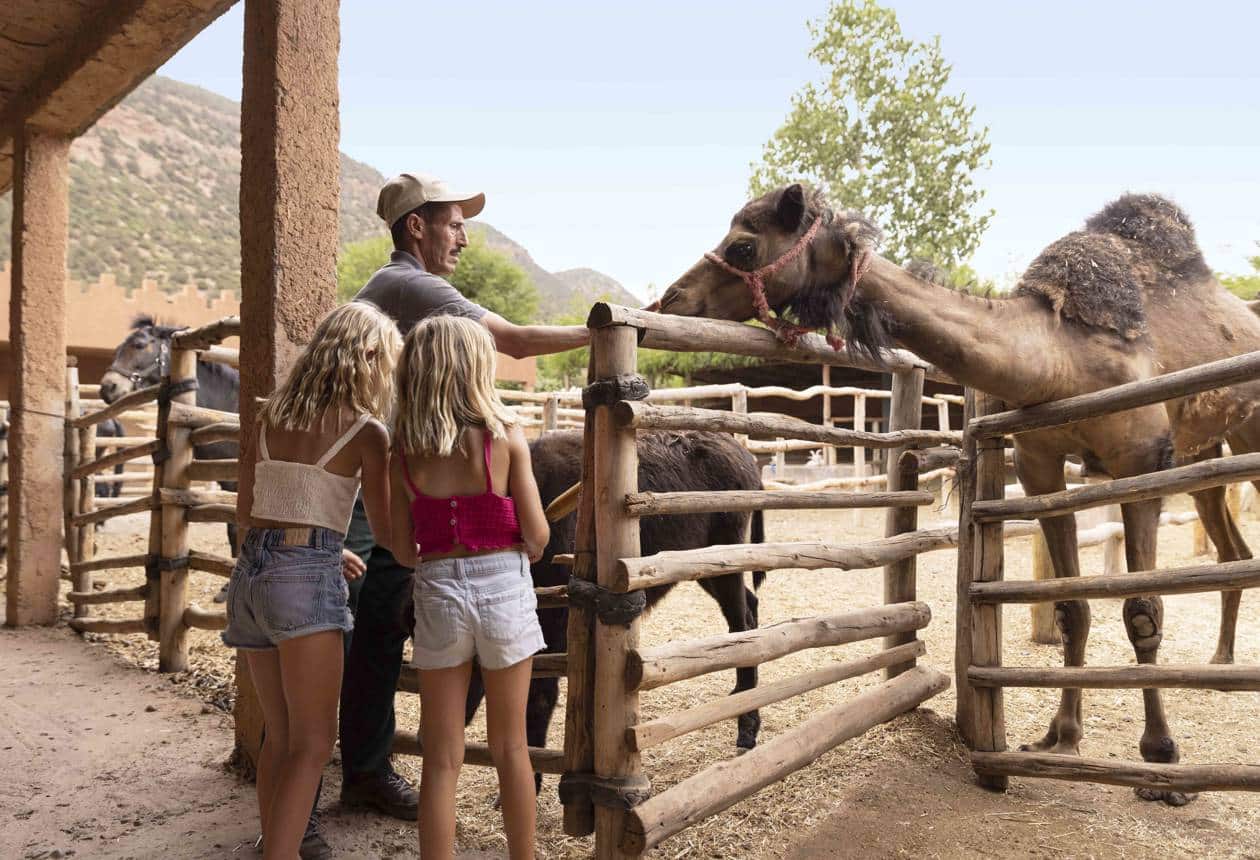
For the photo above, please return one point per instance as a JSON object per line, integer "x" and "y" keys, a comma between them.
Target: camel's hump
{"x": 1089, "y": 278}
{"x": 1155, "y": 224}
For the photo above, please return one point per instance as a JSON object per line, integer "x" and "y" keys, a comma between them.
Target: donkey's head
{"x": 820, "y": 266}
{"x": 140, "y": 360}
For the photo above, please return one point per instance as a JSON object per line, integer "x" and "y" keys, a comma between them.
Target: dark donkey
{"x": 668, "y": 462}
{"x": 143, "y": 358}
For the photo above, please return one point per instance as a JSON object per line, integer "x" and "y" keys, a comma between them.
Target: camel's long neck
{"x": 981, "y": 343}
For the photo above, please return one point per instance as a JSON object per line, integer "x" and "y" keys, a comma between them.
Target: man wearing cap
{"x": 426, "y": 219}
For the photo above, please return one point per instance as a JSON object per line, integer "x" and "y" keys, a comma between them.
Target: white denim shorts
{"x": 482, "y": 606}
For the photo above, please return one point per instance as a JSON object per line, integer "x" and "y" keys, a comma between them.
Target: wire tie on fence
{"x": 161, "y": 455}
{"x": 152, "y": 566}
{"x": 169, "y": 564}
{"x": 173, "y": 389}
{"x": 624, "y": 792}
{"x": 606, "y": 392}
{"x": 611, "y": 607}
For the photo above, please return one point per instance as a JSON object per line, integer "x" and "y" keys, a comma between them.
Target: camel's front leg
{"x": 1144, "y": 622}
{"x": 1044, "y": 474}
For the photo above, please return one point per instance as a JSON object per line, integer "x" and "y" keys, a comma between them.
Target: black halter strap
{"x": 163, "y": 365}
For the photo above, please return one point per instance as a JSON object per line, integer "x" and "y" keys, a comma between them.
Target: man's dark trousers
{"x": 374, "y": 656}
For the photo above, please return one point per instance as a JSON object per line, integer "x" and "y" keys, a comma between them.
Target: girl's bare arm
{"x": 524, "y": 492}
{"x": 245, "y": 473}
{"x": 373, "y": 441}
{"x": 403, "y": 545}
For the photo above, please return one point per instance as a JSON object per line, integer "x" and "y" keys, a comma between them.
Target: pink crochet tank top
{"x": 482, "y": 522}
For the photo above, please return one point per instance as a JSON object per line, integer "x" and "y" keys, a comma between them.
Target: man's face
{"x": 442, "y": 240}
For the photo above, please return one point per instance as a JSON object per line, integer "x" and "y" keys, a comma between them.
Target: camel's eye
{"x": 741, "y": 254}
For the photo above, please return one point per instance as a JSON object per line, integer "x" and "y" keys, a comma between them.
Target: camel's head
{"x": 815, "y": 285}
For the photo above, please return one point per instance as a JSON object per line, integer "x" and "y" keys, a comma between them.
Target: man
{"x": 426, "y": 220}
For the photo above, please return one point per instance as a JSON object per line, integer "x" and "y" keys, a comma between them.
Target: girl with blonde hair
{"x": 318, "y": 438}
{"x": 465, "y": 511}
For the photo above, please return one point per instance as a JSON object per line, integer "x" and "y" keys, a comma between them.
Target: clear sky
{"x": 619, "y": 135}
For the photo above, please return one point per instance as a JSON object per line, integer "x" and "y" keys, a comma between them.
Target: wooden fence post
{"x": 906, "y": 413}
{"x": 614, "y": 353}
{"x": 579, "y": 714}
{"x": 739, "y": 403}
{"x": 85, "y": 538}
{"x": 550, "y": 413}
{"x": 4, "y": 481}
{"x": 859, "y": 424}
{"x": 829, "y": 452}
{"x": 988, "y": 717}
{"x": 1044, "y": 630}
{"x": 965, "y": 487}
{"x": 173, "y": 576}
{"x": 70, "y": 456}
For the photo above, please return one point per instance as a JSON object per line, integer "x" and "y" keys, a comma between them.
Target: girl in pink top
{"x": 466, "y": 512}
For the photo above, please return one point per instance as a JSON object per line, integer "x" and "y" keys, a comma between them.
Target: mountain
{"x": 154, "y": 191}
{"x": 559, "y": 293}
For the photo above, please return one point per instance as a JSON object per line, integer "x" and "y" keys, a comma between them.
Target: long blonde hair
{"x": 349, "y": 362}
{"x": 445, "y": 385}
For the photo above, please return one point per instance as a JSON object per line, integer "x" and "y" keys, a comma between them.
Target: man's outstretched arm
{"x": 522, "y": 341}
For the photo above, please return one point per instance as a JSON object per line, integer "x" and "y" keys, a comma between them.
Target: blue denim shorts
{"x": 483, "y": 605}
{"x": 287, "y": 583}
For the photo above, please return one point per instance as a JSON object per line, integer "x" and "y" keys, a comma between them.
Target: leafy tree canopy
{"x": 484, "y": 275}
{"x": 1244, "y": 286}
{"x": 880, "y": 134}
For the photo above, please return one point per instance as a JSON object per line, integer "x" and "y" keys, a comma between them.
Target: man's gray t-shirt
{"x": 407, "y": 292}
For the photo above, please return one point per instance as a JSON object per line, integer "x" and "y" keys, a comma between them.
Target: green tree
{"x": 484, "y": 275}
{"x": 880, "y": 134}
{"x": 1244, "y": 286}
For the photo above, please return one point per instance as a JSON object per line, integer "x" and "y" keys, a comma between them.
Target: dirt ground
{"x": 904, "y": 788}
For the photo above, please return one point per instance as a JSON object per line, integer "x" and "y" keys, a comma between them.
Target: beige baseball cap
{"x": 406, "y": 191}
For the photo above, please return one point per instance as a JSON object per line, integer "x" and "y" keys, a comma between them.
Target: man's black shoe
{"x": 313, "y": 846}
{"x": 386, "y": 792}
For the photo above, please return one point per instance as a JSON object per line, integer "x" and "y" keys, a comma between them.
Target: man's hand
{"x": 352, "y": 567}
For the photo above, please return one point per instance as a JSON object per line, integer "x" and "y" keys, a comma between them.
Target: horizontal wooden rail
{"x": 210, "y": 563}
{"x": 204, "y": 619}
{"x": 207, "y": 335}
{"x": 542, "y": 760}
{"x": 108, "y": 625}
{"x": 114, "y": 442}
{"x": 223, "y": 431}
{"x": 109, "y": 562}
{"x": 649, "y": 668}
{"x": 196, "y": 498}
{"x": 1180, "y": 580}
{"x": 654, "y": 732}
{"x": 693, "y": 334}
{"x": 649, "y": 416}
{"x": 634, "y": 574}
{"x": 214, "y": 470}
{"x": 116, "y": 595}
{"x": 1144, "y": 392}
{"x": 211, "y": 514}
{"x": 552, "y": 597}
{"x": 187, "y": 415}
{"x": 1163, "y": 777}
{"x": 1183, "y": 479}
{"x": 135, "y": 506}
{"x": 221, "y": 355}
{"x": 108, "y": 461}
{"x": 1188, "y": 677}
{"x": 723, "y": 784}
{"x": 544, "y": 666}
{"x": 652, "y": 504}
{"x": 118, "y": 407}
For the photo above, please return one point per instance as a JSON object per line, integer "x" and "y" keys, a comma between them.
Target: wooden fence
{"x": 980, "y": 675}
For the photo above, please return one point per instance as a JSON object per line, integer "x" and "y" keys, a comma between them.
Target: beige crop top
{"x": 305, "y": 493}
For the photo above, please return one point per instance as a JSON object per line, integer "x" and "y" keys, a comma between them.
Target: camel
{"x": 1126, "y": 298}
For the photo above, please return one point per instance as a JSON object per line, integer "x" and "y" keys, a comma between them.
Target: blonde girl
{"x": 465, "y": 510}
{"x": 317, "y": 439}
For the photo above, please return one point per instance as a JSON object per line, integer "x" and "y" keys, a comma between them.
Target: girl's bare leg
{"x": 310, "y": 671}
{"x": 442, "y": 695}
{"x": 506, "y": 693}
{"x": 264, "y": 670}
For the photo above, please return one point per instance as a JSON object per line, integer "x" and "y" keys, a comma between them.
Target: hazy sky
{"x": 619, "y": 135}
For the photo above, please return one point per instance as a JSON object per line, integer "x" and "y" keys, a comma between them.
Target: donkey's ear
{"x": 790, "y": 209}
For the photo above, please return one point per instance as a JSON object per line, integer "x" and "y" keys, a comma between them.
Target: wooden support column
{"x": 290, "y": 191}
{"x": 906, "y": 413}
{"x": 614, "y": 352}
{"x": 37, "y": 338}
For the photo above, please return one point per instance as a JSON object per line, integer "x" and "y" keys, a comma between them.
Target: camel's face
{"x": 761, "y": 232}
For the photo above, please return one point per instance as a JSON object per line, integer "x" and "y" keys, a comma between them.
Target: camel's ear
{"x": 790, "y": 209}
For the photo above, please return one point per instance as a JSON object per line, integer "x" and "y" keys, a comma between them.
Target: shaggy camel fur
{"x": 1126, "y": 298}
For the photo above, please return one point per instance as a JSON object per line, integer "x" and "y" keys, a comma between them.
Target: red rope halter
{"x": 787, "y": 332}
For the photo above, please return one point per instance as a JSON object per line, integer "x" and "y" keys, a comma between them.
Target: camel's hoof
{"x": 1172, "y": 798}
